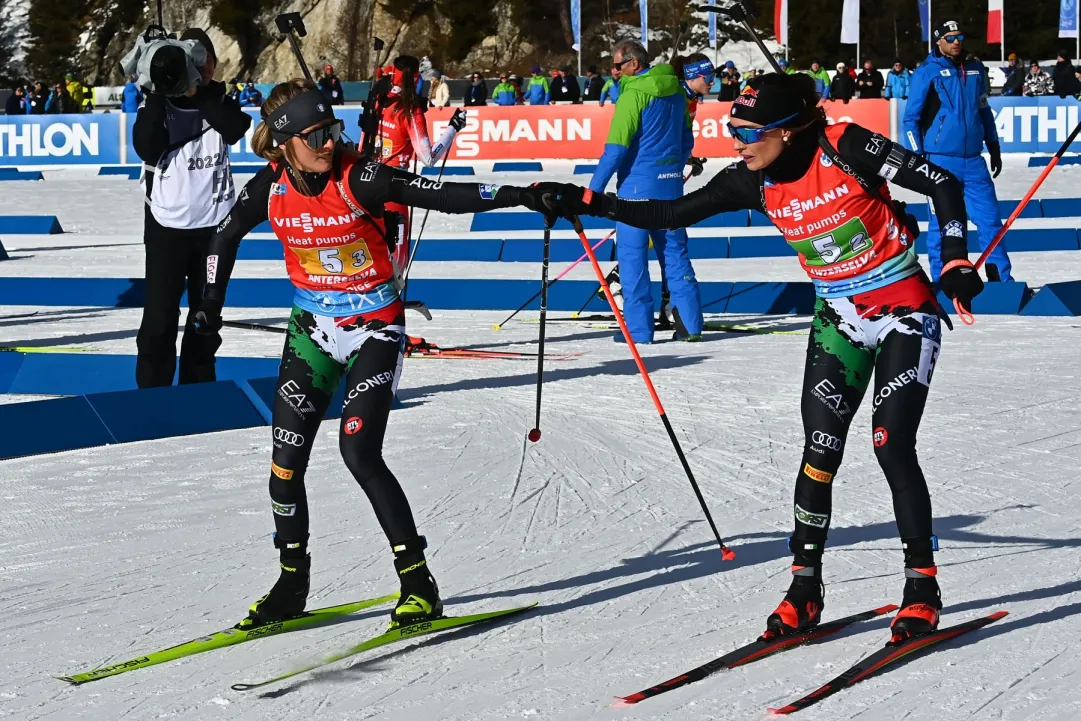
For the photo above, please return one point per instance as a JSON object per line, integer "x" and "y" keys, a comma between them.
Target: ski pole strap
{"x": 965, "y": 315}
{"x": 959, "y": 263}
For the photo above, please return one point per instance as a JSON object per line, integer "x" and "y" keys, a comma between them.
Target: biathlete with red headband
{"x": 824, "y": 187}
{"x": 326, "y": 205}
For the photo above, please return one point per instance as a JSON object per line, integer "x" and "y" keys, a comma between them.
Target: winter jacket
{"x": 843, "y": 87}
{"x": 649, "y": 138}
{"x": 251, "y": 97}
{"x": 77, "y": 93}
{"x": 897, "y": 84}
{"x": 610, "y": 91}
{"x": 947, "y": 111}
{"x": 441, "y": 95}
{"x": 132, "y": 96}
{"x": 332, "y": 88}
{"x": 537, "y": 90}
{"x": 1015, "y": 80}
{"x": 476, "y": 94}
{"x": 59, "y": 103}
{"x": 822, "y": 81}
{"x": 505, "y": 94}
{"x": 569, "y": 90}
{"x": 594, "y": 87}
{"x": 15, "y": 105}
{"x": 1039, "y": 84}
{"x": 36, "y": 102}
{"x": 1066, "y": 83}
{"x": 870, "y": 84}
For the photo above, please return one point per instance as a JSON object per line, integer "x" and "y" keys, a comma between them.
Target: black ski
{"x": 882, "y": 658}
{"x": 754, "y": 651}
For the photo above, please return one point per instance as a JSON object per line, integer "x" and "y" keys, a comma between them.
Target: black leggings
{"x": 896, "y": 334}
{"x": 317, "y": 352}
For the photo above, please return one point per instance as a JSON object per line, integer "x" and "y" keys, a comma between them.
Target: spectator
{"x": 38, "y": 98}
{"x": 843, "y": 87}
{"x": 594, "y": 84}
{"x": 16, "y": 102}
{"x": 516, "y": 81}
{"x": 747, "y": 76}
{"x": 869, "y": 81}
{"x": 332, "y": 86}
{"x": 439, "y": 93}
{"x": 898, "y": 80}
{"x": 788, "y": 69}
{"x": 75, "y": 92}
{"x": 1015, "y": 76}
{"x": 610, "y": 91}
{"x": 250, "y": 97}
{"x": 851, "y": 65}
{"x": 730, "y": 82}
{"x": 537, "y": 91}
{"x": 88, "y": 99}
{"x": 1063, "y": 77}
{"x": 947, "y": 120}
{"x": 131, "y": 97}
{"x": 477, "y": 92}
{"x": 555, "y": 84}
{"x": 1037, "y": 82}
{"x": 821, "y": 77}
{"x": 569, "y": 89}
{"x": 59, "y": 101}
{"x": 504, "y": 92}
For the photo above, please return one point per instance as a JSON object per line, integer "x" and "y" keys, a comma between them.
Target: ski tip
{"x": 243, "y": 686}
{"x": 497, "y": 327}
{"x": 727, "y": 553}
{"x": 67, "y": 679}
{"x": 623, "y": 701}
{"x": 576, "y": 315}
{"x": 998, "y": 614}
{"x": 888, "y": 608}
{"x": 783, "y": 711}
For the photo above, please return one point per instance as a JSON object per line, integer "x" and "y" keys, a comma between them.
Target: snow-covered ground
{"x": 112, "y": 552}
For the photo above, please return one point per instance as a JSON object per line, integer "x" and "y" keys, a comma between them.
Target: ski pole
{"x": 423, "y": 222}
{"x": 726, "y": 553}
{"x": 966, "y": 316}
{"x": 572, "y": 266}
{"x": 252, "y": 326}
{"x": 535, "y": 434}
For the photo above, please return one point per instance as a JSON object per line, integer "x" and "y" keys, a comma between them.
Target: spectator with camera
{"x": 182, "y": 133}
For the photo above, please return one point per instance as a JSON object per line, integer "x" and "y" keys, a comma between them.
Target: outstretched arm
{"x": 374, "y": 184}
{"x": 250, "y": 210}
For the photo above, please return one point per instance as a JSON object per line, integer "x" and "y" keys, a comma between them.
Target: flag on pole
{"x": 643, "y": 11}
{"x": 576, "y": 24}
{"x": 925, "y": 20}
{"x": 780, "y": 22}
{"x": 850, "y": 23}
{"x": 1067, "y": 19}
{"x": 713, "y": 26}
{"x": 994, "y": 22}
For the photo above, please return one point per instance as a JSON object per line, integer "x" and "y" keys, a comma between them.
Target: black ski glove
{"x": 208, "y": 318}
{"x": 562, "y": 200}
{"x": 697, "y": 166}
{"x": 960, "y": 281}
{"x": 996, "y": 158}
{"x": 457, "y": 121}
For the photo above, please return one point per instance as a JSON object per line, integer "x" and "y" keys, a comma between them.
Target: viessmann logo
{"x": 308, "y": 222}
{"x": 796, "y": 208}
{"x": 504, "y": 130}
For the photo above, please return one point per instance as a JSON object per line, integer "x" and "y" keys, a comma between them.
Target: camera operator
{"x": 184, "y": 142}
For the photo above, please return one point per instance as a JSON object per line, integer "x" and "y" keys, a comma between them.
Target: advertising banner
{"x": 88, "y": 139}
{"x": 1035, "y": 125}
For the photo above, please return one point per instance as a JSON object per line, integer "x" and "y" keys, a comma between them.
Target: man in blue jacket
{"x": 948, "y": 121}
{"x": 649, "y": 141}
{"x": 132, "y": 97}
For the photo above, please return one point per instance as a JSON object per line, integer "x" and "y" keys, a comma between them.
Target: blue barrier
{"x": 771, "y": 298}
{"x": 525, "y": 220}
{"x": 1061, "y": 207}
{"x": 704, "y": 248}
{"x": 6, "y": 174}
{"x": 247, "y": 168}
{"x": 31, "y": 428}
{"x": 1044, "y": 161}
{"x": 996, "y": 299}
{"x": 10, "y": 363}
{"x": 3, "y": 251}
{"x": 448, "y": 170}
{"x": 1032, "y": 210}
{"x": 129, "y": 172}
{"x": 584, "y": 169}
{"x": 257, "y": 249}
{"x": 759, "y": 220}
{"x": 83, "y": 139}
{"x": 1061, "y": 299}
{"x": 263, "y": 227}
{"x": 517, "y": 167}
{"x": 758, "y": 246}
{"x": 1041, "y": 239}
{"x": 562, "y": 251}
{"x": 734, "y": 219}
{"x": 30, "y": 225}
{"x": 480, "y": 249}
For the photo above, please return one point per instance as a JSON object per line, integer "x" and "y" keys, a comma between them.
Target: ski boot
{"x": 419, "y": 599}
{"x": 802, "y": 606}
{"x": 664, "y": 321}
{"x": 681, "y": 330}
{"x": 612, "y": 279}
{"x": 920, "y": 607}
{"x": 290, "y": 593}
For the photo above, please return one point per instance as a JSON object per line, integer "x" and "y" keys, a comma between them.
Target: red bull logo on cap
{"x": 748, "y": 96}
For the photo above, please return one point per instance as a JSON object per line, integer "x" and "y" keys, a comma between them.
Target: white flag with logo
{"x": 850, "y": 23}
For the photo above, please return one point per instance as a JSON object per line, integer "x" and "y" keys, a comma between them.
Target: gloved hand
{"x": 996, "y": 159}
{"x": 457, "y": 121}
{"x": 697, "y": 165}
{"x": 960, "y": 281}
{"x": 562, "y": 200}
{"x": 208, "y": 318}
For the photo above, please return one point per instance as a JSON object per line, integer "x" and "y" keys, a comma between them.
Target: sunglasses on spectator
{"x": 621, "y": 63}
{"x": 747, "y": 136}
{"x": 951, "y": 39}
{"x": 317, "y": 138}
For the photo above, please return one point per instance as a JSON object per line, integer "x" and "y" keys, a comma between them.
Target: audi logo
{"x": 826, "y": 441}
{"x": 293, "y": 439}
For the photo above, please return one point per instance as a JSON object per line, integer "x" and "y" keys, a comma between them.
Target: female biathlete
{"x": 326, "y": 206}
{"x": 403, "y": 135}
{"x": 824, "y": 188}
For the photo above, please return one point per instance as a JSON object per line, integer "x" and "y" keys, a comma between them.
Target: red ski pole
{"x": 967, "y": 317}
{"x": 726, "y": 553}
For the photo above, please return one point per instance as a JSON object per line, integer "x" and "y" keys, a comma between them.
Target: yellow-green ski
{"x": 402, "y": 633}
{"x": 228, "y": 637}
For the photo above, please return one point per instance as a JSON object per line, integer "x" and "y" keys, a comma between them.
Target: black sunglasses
{"x": 318, "y": 137}
{"x": 621, "y": 63}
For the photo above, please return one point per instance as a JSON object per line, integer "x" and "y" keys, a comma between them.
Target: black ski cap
{"x": 293, "y": 117}
{"x": 950, "y": 26}
{"x": 765, "y": 100}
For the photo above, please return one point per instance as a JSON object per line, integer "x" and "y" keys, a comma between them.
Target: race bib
{"x": 345, "y": 260}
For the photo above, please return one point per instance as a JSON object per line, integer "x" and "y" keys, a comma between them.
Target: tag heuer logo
{"x": 281, "y": 122}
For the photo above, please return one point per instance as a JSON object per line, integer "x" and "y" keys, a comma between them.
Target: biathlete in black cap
{"x": 824, "y": 187}
{"x": 326, "y": 206}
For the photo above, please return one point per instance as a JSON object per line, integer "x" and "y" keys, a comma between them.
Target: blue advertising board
{"x": 86, "y": 139}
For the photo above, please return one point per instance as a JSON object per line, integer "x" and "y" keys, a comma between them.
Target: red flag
{"x": 994, "y": 21}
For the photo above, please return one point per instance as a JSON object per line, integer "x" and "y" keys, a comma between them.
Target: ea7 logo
{"x": 281, "y": 122}
{"x": 826, "y": 392}
{"x": 297, "y": 401}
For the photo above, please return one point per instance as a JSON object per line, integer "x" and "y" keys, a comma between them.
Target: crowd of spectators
{"x": 39, "y": 98}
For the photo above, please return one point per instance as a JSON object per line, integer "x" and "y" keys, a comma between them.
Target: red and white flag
{"x": 780, "y": 22}
{"x": 994, "y": 22}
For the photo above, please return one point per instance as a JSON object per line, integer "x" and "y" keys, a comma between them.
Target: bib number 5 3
{"x": 331, "y": 263}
